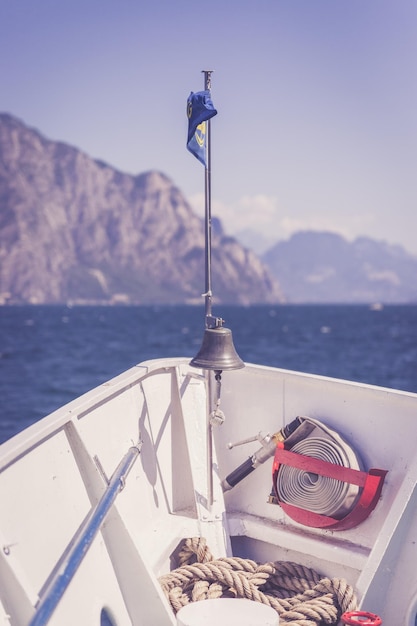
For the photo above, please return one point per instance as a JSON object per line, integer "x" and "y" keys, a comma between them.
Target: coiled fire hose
{"x": 317, "y": 478}
{"x": 311, "y": 491}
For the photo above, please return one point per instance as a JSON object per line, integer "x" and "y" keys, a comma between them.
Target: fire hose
{"x": 310, "y": 490}
{"x": 317, "y": 476}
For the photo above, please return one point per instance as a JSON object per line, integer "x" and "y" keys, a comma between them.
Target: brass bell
{"x": 217, "y": 351}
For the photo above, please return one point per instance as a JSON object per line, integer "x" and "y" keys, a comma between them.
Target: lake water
{"x": 51, "y": 354}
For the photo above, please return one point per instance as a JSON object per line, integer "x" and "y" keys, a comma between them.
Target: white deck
{"x": 53, "y": 473}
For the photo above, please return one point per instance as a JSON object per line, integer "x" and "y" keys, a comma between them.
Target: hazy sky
{"x": 317, "y": 101}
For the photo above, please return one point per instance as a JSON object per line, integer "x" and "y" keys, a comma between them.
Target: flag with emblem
{"x": 199, "y": 110}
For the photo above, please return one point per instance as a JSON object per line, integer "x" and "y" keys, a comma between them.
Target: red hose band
{"x": 370, "y": 483}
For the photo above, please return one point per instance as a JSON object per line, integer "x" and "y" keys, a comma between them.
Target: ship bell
{"x": 217, "y": 351}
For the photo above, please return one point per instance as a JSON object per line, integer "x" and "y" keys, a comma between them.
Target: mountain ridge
{"x": 75, "y": 229}
{"x": 323, "y": 267}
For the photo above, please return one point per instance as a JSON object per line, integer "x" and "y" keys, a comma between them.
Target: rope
{"x": 299, "y": 594}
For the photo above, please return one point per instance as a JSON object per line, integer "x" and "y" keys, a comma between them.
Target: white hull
{"x": 53, "y": 473}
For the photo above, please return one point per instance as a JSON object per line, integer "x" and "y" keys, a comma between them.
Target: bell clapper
{"x": 217, "y": 416}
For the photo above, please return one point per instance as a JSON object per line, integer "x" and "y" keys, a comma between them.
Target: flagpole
{"x": 217, "y": 351}
{"x": 210, "y": 321}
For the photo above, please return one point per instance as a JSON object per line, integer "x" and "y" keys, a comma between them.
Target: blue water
{"x": 51, "y": 354}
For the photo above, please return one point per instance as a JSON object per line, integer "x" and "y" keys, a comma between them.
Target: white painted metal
{"x": 55, "y": 471}
{"x": 227, "y": 612}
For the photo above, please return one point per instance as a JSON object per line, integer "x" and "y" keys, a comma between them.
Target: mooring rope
{"x": 300, "y": 595}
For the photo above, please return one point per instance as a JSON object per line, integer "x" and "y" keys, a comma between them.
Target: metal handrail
{"x": 78, "y": 547}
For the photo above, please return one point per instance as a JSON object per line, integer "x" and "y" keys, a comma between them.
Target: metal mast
{"x": 210, "y": 321}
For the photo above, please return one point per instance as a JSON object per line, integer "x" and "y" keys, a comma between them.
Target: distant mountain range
{"x": 74, "y": 229}
{"x": 322, "y": 267}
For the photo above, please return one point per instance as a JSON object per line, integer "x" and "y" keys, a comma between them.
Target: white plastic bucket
{"x": 227, "y": 612}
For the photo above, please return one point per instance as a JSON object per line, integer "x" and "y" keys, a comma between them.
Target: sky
{"x": 316, "y": 99}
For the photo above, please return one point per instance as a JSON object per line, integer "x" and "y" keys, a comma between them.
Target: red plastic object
{"x": 361, "y": 617}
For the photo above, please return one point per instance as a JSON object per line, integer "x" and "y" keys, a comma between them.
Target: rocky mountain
{"x": 75, "y": 229}
{"x": 322, "y": 267}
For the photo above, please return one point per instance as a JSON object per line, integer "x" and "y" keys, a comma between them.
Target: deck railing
{"x": 80, "y": 544}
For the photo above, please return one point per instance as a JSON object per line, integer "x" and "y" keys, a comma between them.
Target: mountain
{"x": 255, "y": 241}
{"x": 75, "y": 229}
{"x": 320, "y": 267}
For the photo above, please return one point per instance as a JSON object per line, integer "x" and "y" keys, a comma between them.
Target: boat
{"x": 209, "y": 484}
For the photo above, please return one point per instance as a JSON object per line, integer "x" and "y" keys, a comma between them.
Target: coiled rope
{"x": 300, "y": 595}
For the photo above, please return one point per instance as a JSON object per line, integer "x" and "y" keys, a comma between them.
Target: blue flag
{"x": 199, "y": 109}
